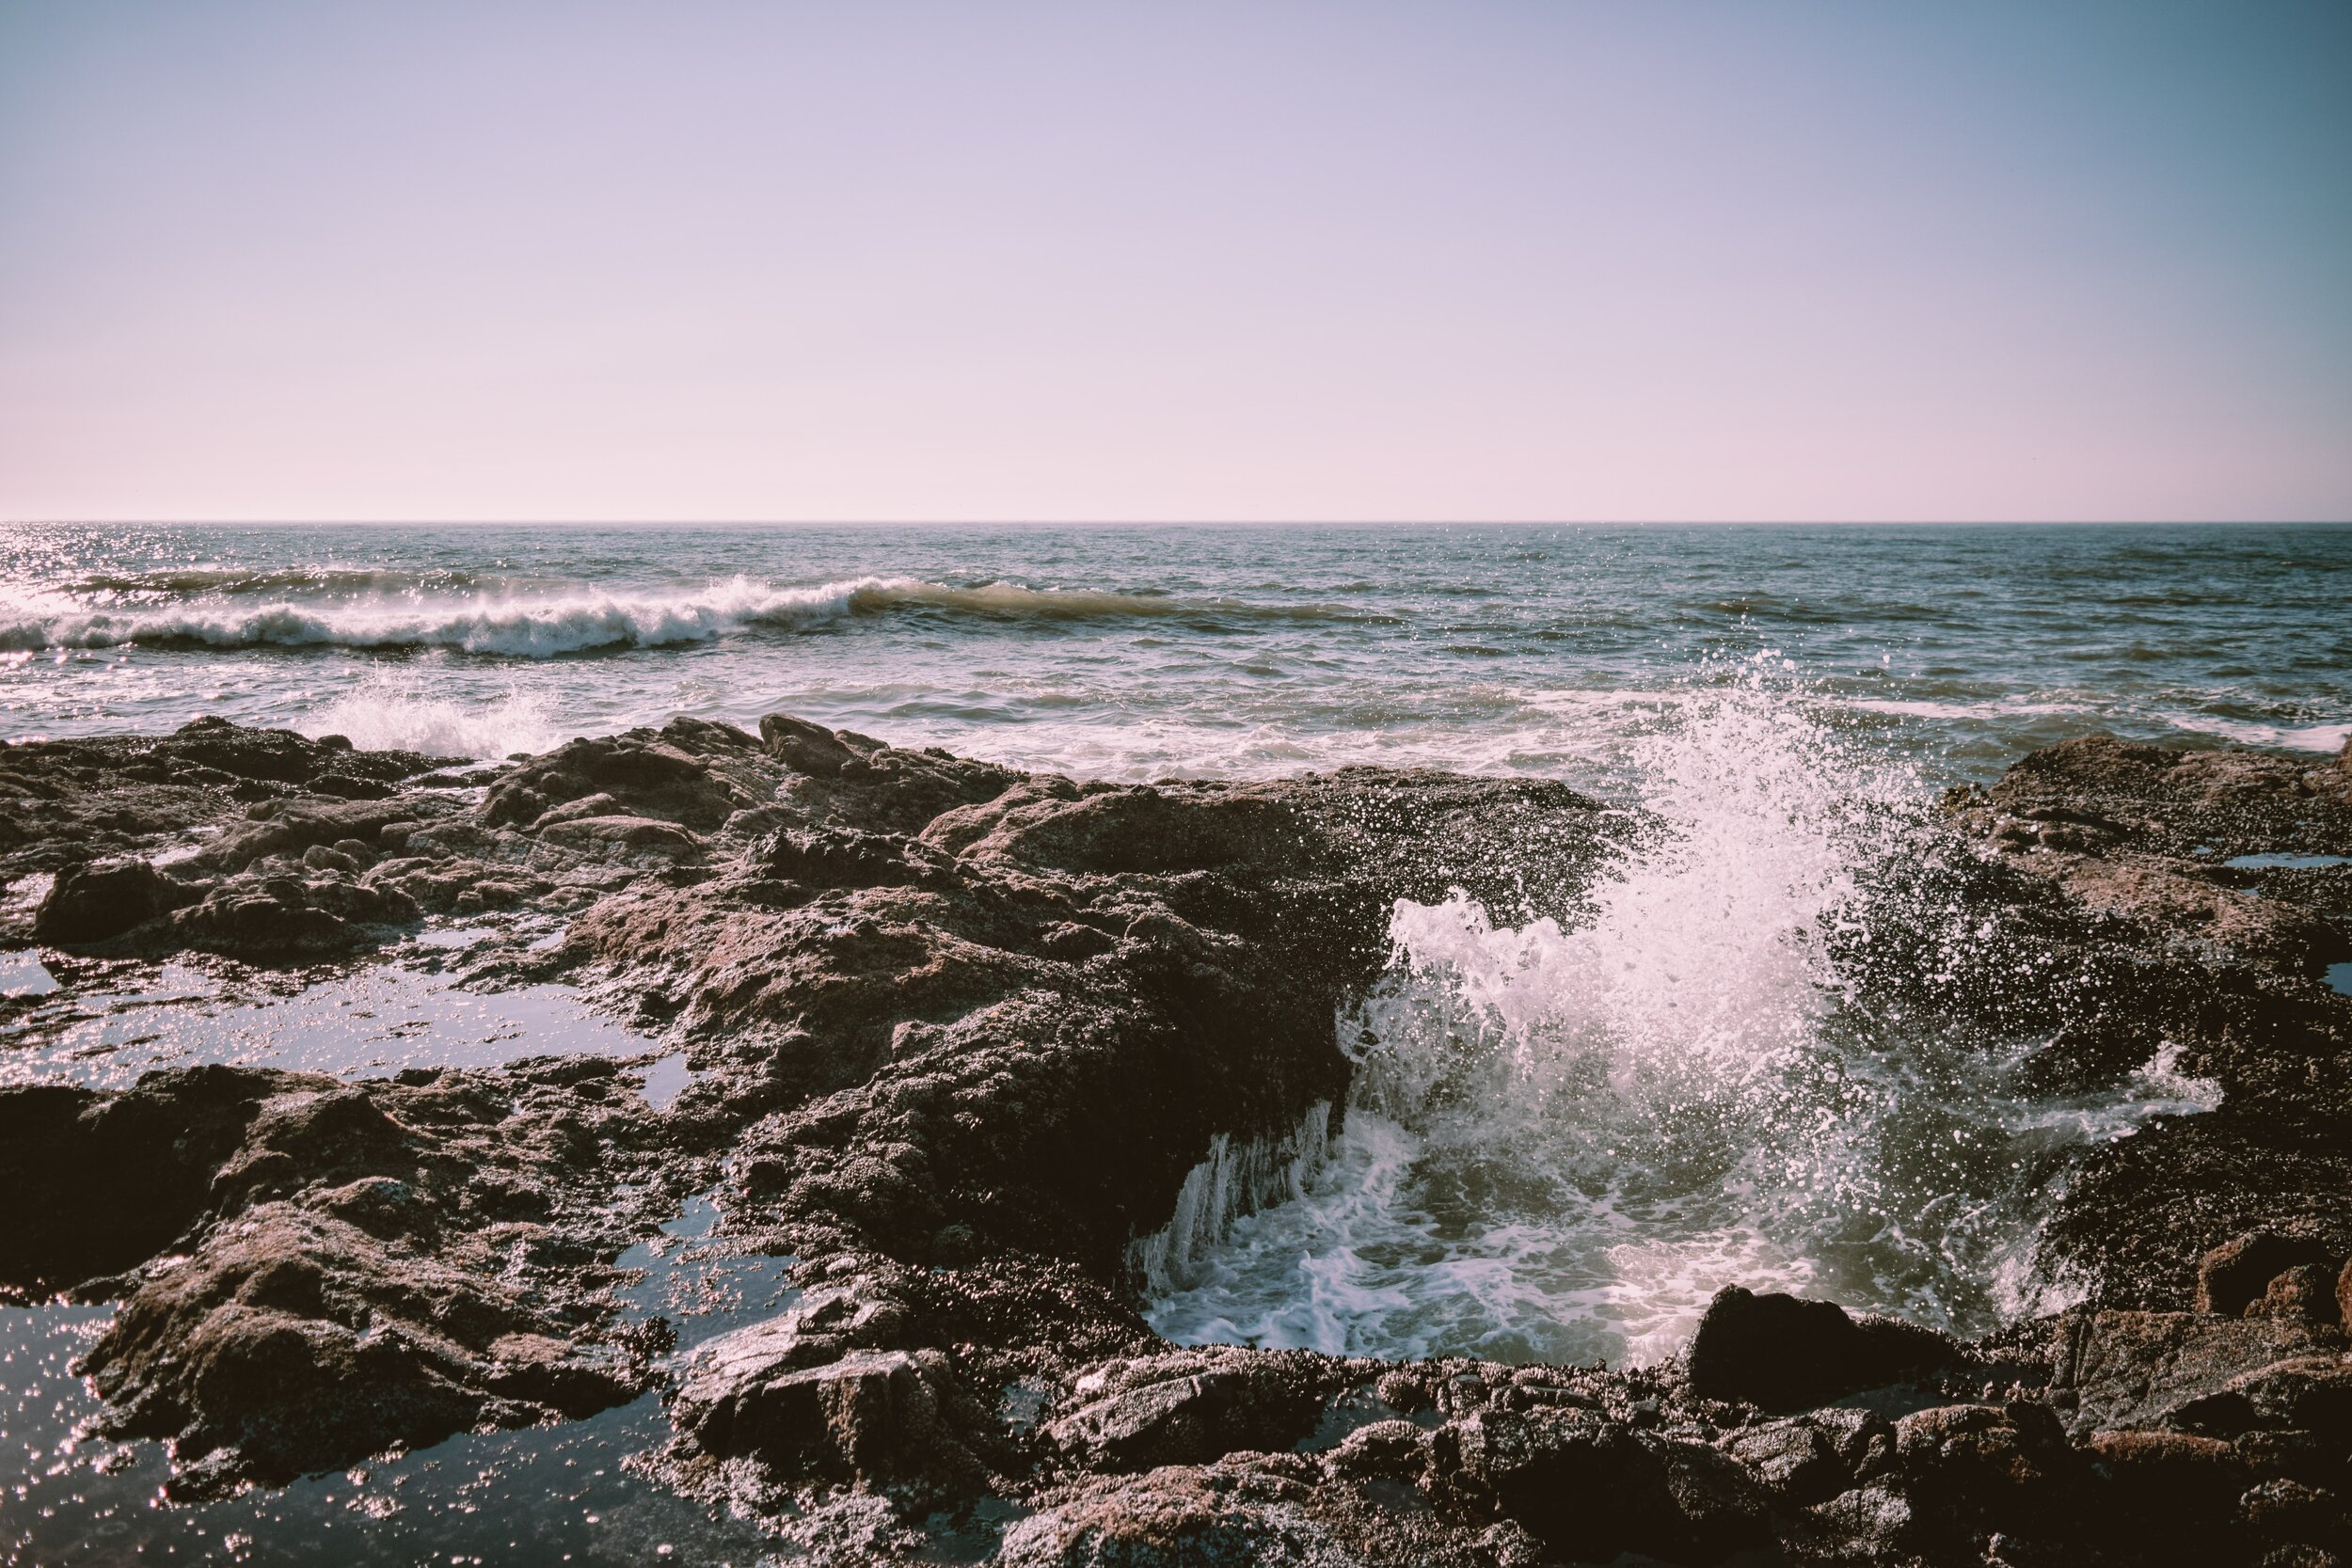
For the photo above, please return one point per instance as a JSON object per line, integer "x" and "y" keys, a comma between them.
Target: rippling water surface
{"x": 1138, "y": 652}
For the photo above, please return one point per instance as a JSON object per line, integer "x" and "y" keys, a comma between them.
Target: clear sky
{"x": 1981, "y": 259}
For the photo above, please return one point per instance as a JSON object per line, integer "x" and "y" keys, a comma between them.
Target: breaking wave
{"x": 547, "y": 625}
{"x": 1560, "y": 1139}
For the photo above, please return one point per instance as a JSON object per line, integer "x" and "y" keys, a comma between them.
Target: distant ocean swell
{"x": 557, "y": 624}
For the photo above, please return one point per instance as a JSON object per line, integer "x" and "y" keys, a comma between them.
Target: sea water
{"x": 1565, "y": 1128}
{"x": 1142, "y": 652}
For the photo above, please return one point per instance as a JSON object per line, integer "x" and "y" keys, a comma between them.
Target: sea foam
{"x": 1562, "y": 1136}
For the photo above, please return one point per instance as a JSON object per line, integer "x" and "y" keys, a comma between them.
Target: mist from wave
{"x": 1562, "y": 1136}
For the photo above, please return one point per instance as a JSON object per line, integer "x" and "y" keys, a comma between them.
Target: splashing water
{"x": 1562, "y": 1139}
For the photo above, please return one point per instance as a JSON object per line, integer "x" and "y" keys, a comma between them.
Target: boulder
{"x": 803, "y": 746}
{"x": 1785, "y": 1353}
{"x": 870, "y": 1416}
{"x": 92, "y": 903}
{"x": 1590, "y": 1488}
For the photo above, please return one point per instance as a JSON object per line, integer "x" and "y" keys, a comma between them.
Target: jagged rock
{"x": 1867, "y": 1525}
{"x": 295, "y": 828}
{"x": 870, "y": 1416}
{"x": 627, "y": 833}
{"x": 1784, "y": 1352}
{"x": 300, "y": 1335}
{"x": 1794, "y": 1460}
{"x": 1590, "y": 1488}
{"x": 726, "y": 1400}
{"x": 2305, "y": 1293}
{"x": 804, "y": 747}
{"x": 2234, "y": 1275}
{"x": 2131, "y": 1370}
{"x": 91, "y": 903}
{"x": 1179, "y": 1517}
{"x": 959, "y": 1036}
{"x": 1989, "y": 1466}
{"x": 98, "y": 1184}
{"x": 680, "y": 775}
{"x": 1393, "y": 1450}
{"x": 1191, "y": 1408}
{"x": 2166, "y": 1490}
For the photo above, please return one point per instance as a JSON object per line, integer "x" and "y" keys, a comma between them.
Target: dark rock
{"x": 1179, "y": 1517}
{"x": 2163, "y": 1490}
{"x": 2305, "y": 1293}
{"x": 2233, "y": 1275}
{"x": 1784, "y": 1352}
{"x": 91, "y": 903}
{"x": 98, "y": 1184}
{"x": 2130, "y": 1369}
{"x": 803, "y": 746}
{"x": 869, "y": 1415}
{"x": 300, "y": 1336}
{"x": 1590, "y": 1488}
{"x": 1794, "y": 1460}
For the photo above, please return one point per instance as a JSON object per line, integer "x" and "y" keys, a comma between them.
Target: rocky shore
{"x": 959, "y": 1033}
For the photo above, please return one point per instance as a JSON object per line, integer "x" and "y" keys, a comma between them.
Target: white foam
{"x": 2285, "y": 737}
{"x": 534, "y": 627}
{"x": 398, "y": 710}
{"x": 545, "y": 625}
{"x": 1235, "y": 1180}
{"x": 1562, "y": 1138}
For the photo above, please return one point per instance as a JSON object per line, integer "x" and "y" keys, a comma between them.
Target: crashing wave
{"x": 553, "y": 625}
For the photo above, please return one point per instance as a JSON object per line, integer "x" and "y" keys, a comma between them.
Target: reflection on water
{"x": 548, "y": 1494}
{"x": 371, "y": 1021}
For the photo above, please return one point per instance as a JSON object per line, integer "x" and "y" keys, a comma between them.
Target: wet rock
{"x": 682, "y": 775}
{"x": 634, "y": 833}
{"x": 2304, "y": 1294}
{"x": 300, "y": 1336}
{"x": 1191, "y": 1407}
{"x": 2128, "y": 1369}
{"x": 1590, "y": 1488}
{"x": 870, "y": 1416}
{"x": 2236, "y": 1274}
{"x": 804, "y": 747}
{"x": 2166, "y": 1490}
{"x": 1988, "y": 1466}
{"x": 1177, "y": 1517}
{"x": 1867, "y": 1525}
{"x": 1784, "y": 1352}
{"x": 98, "y": 1184}
{"x": 276, "y": 917}
{"x": 91, "y": 903}
{"x": 296, "y": 827}
{"x": 1794, "y": 1460}
{"x": 725, "y": 1400}
{"x": 1393, "y": 1450}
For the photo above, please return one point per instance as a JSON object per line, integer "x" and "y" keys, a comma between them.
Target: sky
{"x": 1988, "y": 260}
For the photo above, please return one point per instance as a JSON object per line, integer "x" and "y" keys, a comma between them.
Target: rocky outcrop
{"x": 959, "y": 1033}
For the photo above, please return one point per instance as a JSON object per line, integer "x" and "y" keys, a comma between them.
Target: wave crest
{"x": 545, "y": 627}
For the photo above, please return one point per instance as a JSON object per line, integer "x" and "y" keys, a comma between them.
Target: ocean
{"x": 1143, "y": 652}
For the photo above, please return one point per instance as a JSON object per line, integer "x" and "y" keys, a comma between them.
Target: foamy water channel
{"x": 1562, "y": 1139}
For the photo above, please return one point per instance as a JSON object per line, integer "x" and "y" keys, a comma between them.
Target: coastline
{"x": 960, "y": 1036}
